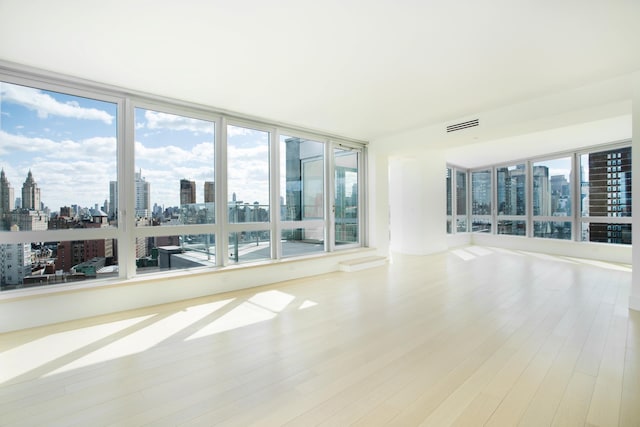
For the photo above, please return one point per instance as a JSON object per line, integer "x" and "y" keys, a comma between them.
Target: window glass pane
{"x": 461, "y": 223}
{"x": 346, "y": 196}
{"x": 606, "y": 233}
{"x": 481, "y": 201}
{"x": 301, "y": 179}
{"x": 511, "y": 189}
{"x": 481, "y": 224}
{"x": 57, "y": 159}
{"x": 249, "y": 246}
{"x": 481, "y": 192}
{"x": 449, "y": 189}
{"x": 176, "y": 252}
{"x": 552, "y": 187}
{"x": 606, "y": 189}
{"x": 174, "y": 177}
{"x": 461, "y": 201}
{"x": 247, "y": 174}
{"x": 302, "y": 241}
{"x": 461, "y": 193}
{"x": 512, "y": 227}
{"x": 25, "y": 265}
{"x": 552, "y": 229}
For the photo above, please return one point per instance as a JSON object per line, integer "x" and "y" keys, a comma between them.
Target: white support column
{"x": 418, "y": 204}
{"x": 634, "y": 298}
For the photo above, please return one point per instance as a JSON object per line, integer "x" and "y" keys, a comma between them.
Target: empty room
{"x": 296, "y": 213}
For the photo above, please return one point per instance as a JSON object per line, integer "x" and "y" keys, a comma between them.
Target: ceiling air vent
{"x": 463, "y": 125}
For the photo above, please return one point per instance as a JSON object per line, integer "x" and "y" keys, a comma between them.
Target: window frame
{"x": 576, "y": 219}
{"x": 125, "y": 233}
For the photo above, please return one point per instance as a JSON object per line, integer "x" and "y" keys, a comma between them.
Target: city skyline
{"x": 69, "y": 143}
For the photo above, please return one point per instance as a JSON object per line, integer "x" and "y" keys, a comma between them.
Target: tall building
{"x": 31, "y": 194}
{"x": 541, "y": 191}
{"x": 15, "y": 264}
{"x": 187, "y": 192}
{"x": 143, "y": 196}
{"x": 6, "y": 200}
{"x": 209, "y": 192}
{"x": 610, "y": 194}
{"x": 113, "y": 200}
{"x": 511, "y": 190}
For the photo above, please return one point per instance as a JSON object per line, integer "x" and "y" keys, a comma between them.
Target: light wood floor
{"x": 477, "y": 336}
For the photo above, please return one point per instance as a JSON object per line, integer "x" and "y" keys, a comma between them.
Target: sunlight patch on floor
{"x": 479, "y": 250}
{"x": 27, "y": 357}
{"x": 463, "y": 254}
{"x": 245, "y": 314}
{"x": 602, "y": 264}
{"x": 548, "y": 257}
{"x": 272, "y": 300}
{"x": 506, "y": 251}
{"x": 307, "y": 304}
{"x": 146, "y": 337}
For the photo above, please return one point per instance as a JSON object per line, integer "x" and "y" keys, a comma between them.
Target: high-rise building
{"x": 31, "y": 194}
{"x": 143, "y": 196}
{"x": 113, "y": 200}
{"x": 511, "y": 190}
{"x": 187, "y": 192}
{"x": 209, "y": 192}
{"x": 6, "y": 200}
{"x": 6, "y": 194}
{"x": 15, "y": 264}
{"x": 610, "y": 194}
{"x": 541, "y": 193}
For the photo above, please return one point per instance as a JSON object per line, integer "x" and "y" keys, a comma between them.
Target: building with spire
{"x": 30, "y": 194}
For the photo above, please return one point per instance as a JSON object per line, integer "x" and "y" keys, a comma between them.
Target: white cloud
{"x": 238, "y": 131}
{"x": 100, "y": 149}
{"x": 10, "y": 143}
{"x": 46, "y": 105}
{"x": 156, "y": 120}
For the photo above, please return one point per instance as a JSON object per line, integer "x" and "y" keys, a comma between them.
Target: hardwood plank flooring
{"x": 473, "y": 336}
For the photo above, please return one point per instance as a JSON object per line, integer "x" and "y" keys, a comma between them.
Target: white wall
{"x": 378, "y": 201}
{"x": 586, "y": 250}
{"x": 417, "y": 201}
{"x": 634, "y": 298}
{"x": 19, "y": 310}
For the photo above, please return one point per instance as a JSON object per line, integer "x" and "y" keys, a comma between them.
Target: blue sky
{"x": 69, "y": 144}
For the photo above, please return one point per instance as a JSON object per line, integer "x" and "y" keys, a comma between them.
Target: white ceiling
{"x": 356, "y": 68}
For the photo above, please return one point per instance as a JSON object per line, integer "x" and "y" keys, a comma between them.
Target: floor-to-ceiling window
{"x": 99, "y": 184}
{"x": 549, "y": 197}
{"x": 58, "y": 159}
{"x": 302, "y": 196}
{"x": 461, "y": 201}
{"x": 173, "y": 190}
{"x": 248, "y": 193}
{"x": 346, "y": 196}
{"x": 552, "y": 198}
{"x": 481, "y": 198}
{"x": 449, "y": 190}
{"x": 605, "y": 196}
{"x": 511, "y": 205}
